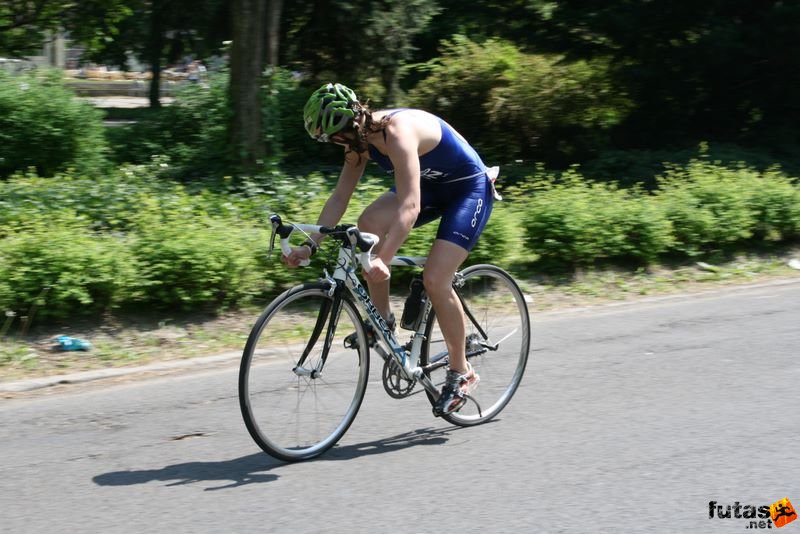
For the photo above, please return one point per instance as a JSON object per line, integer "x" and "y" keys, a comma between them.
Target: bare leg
{"x": 376, "y": 219}
{"x": 443, "y": 262}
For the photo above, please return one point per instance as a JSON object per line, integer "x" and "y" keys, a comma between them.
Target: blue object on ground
{"x": 72, "y": 343}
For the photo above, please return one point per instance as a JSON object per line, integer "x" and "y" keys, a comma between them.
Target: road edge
{"x": 203, "y": 362}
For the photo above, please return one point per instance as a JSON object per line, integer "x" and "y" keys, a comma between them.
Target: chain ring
{"x": 394, "y": 383}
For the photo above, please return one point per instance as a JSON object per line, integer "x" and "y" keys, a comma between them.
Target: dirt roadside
{"x": 132, "y": 348}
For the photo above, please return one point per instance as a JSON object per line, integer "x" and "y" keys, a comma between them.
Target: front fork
{"x": 329, "y": 313}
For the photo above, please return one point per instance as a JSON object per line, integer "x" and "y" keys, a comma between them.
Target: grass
{"x": 121, "y": 340}
{"x": 600, "y": 286}
{"x": 136, "y": 340}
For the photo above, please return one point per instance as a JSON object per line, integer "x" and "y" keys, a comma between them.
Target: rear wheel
{"x": 295, "y": 406}
{"x": 497, "y": 341}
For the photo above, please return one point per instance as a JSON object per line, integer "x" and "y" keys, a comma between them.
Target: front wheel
{"x": 497, "y": 341}
{"x": 295, "y": 405}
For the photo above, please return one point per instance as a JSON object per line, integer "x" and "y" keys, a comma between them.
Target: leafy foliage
{"x": 24, "y": 26}
{"x": 714, "y": 208}
{"x": 190, "y": 262}
{"x": 514, "y": 104}
{"x": 352, "y": 41}
{"x": 554, "y": 81}
{"x": 719, "y": 70}
{"x": 571, "y": 222}
{"x": 76, "y": 245}
{"x": 699, "y": 209}
{"x": 44, "y": 127}
{"x": 193, "y": 132}
{"x": 53, "y": 263}
{"x": 186, "y": 27}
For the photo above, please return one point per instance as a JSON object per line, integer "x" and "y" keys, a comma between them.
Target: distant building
{"x": 57, "y": 52}
{"x": 53, "y": 52}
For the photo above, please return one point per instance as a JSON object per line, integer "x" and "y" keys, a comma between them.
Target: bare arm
{"x": 402, "y": 145}
{"x": 334, "y": 207}
{"x": 337, "y": 203}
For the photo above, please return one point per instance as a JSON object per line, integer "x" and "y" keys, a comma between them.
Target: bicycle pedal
{"x": 438, "y": 411}
{"x": 351, "y": 341}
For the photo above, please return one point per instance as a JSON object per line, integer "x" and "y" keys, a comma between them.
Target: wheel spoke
{"x": 298, "y": 413}
{"x": 496, "y": 310}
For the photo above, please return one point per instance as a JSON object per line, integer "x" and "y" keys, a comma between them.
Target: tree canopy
{"x": 644, "y": 74}
{"x": 24, "y": 24}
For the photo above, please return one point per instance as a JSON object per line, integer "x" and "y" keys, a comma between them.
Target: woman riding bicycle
{"x": 436, "y": 174}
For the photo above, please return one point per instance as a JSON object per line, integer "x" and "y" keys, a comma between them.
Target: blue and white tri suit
{"x": 454, "y": 185}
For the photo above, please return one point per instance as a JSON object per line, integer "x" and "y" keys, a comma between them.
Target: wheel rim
{"x": 296, "y": 416}
{"x": 499, "y": 307}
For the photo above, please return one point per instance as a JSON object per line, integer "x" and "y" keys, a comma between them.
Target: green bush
{"x": 511, "y": 104}
{"x": 43, "y": 126}
{"x": 630, "y": 167}
{"x": 193, "y": 134}
{"x": 107, "y": 202}
{"x": 700, "y": 208}
{"x": 459, "y": 84}
{"x": 187, "y": 262}
{"x": 775, "y": 200}
{"x": 709, "y": 206}
{"x": 647, "y": 230}
{"x": 136, "y": 201}
{"x": 134, "y": 238}
{"x": 554, "y": 109}
{"x": 62, "y": 268}
{"x": 715, "y": 208}
{"x": 496, "y": 242}
{"x": 571, "y": 222}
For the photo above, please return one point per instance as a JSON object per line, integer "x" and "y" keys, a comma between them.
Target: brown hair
{"x": 359, "y": 143}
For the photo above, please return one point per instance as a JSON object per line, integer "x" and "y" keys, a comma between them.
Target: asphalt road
{"x": 630, "y": 418}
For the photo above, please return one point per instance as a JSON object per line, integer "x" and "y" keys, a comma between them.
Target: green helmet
{"x": 328, "y": 110}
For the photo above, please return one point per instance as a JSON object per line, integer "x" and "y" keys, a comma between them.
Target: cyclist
{"x": 436, "y": 174}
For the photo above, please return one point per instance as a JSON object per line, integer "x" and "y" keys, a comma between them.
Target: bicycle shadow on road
{"x": 238, "y": 472}
{"x": 254, "y": 468}
{"x": 414, "y": 438}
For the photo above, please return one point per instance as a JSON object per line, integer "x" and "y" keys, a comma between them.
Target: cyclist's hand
{"x": 297, "y": 256}
{"x": 379, "y": 272}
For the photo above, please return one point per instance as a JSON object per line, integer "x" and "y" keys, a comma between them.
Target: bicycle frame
{"x": 345, "y": 276}
{"x": 408, "y": 361}
{"x": 301, "y": 384}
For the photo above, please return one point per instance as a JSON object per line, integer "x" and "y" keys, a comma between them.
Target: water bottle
{"x": 415, "y": 305}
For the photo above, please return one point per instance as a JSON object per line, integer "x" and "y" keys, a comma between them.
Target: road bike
{"x": 305, "y": 367}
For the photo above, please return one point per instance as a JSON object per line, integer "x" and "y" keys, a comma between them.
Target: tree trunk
{"x": 391, "y": 84}
{"x": 156, "y": 47}
{"x": 247, "y": 53}
{"x": 274, "y": 9}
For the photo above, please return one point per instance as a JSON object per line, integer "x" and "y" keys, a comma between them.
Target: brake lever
{"x": 276, "y": 222}
{"x": 365, "y": 242}
{"x": 271, "y": 244}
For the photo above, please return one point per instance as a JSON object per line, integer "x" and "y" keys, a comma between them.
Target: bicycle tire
{"x": 298, "y": 417}
{"x": 497, "y": 304}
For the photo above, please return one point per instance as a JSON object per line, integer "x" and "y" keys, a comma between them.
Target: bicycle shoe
{"x": 455, "y": 390}
{"x": 372, "y": 338}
